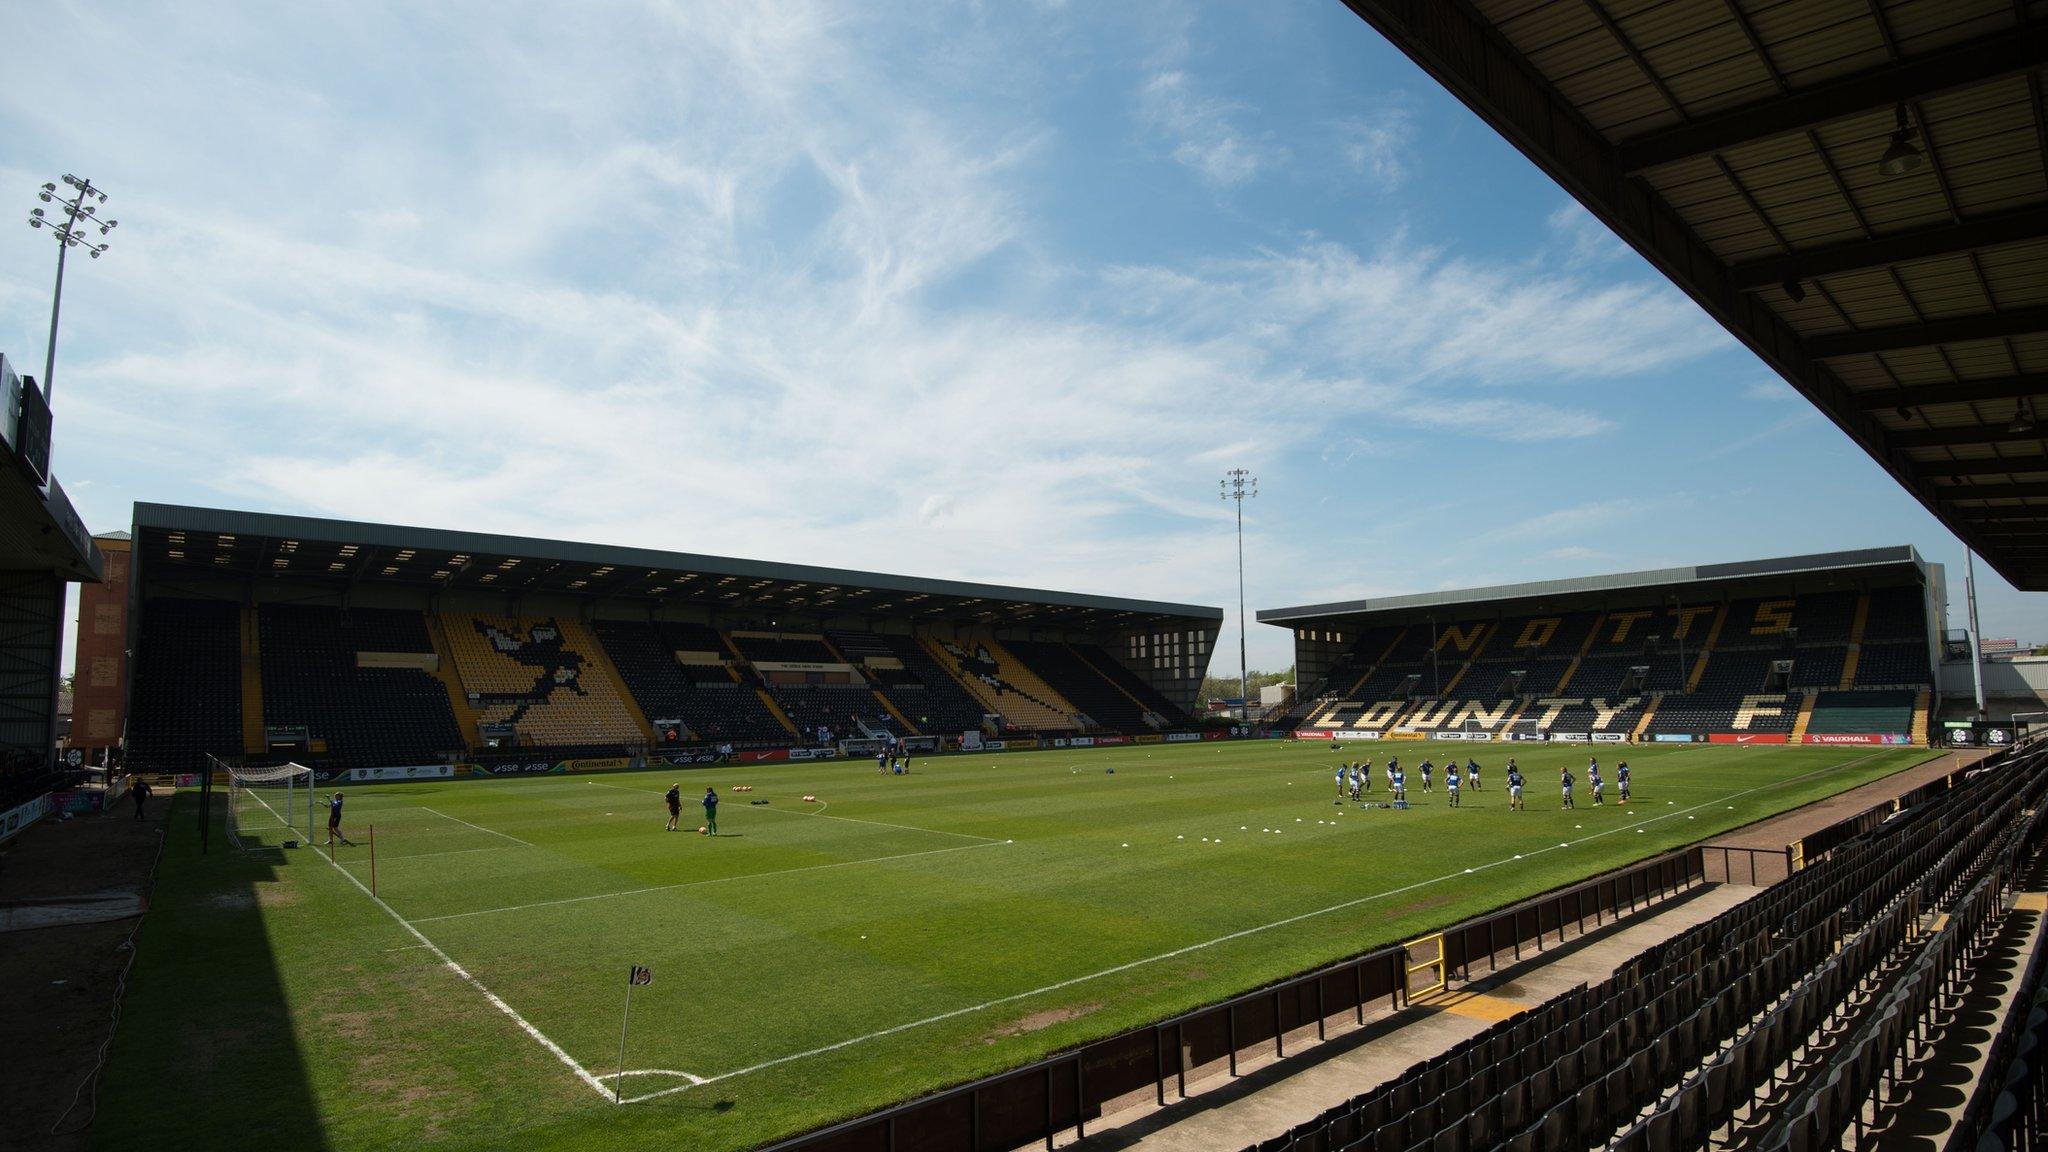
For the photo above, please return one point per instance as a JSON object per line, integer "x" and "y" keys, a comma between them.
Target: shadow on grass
{"x": 206, "y": 1055}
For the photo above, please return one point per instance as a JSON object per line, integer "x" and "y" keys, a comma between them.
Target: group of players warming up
{"x": 1355, "y": 779}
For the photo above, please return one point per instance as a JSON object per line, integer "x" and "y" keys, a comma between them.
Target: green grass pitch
{"x": 817, "y": 960}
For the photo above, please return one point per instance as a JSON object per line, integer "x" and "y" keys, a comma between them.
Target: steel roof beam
{"x": 1961, "y": 392}
{"x": 1926, "y": 334}
{"x": 1967, "y": 434}
{"x": 1991, "y": 231}
{"x": 1965, "y": 493}
{"x": 1999, "y": 467}
{"x": 1475, "y": 62}
{"x": 1965, "y": 65}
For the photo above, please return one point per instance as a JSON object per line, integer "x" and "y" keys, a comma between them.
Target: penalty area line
{"x": 1226, "y": 938}
{"x": 526, "y": 1026}
{"x": 478, "y": 827}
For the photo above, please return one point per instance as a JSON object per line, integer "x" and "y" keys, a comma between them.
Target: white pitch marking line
{"x": 701, "y": 883}
{"x": 1224, "y": 939}
{"x": 478, "y": 827}
{"x": 823, "y": 816}
{"x": 538, "y": 1036}
{"x": 692, "y": 1077}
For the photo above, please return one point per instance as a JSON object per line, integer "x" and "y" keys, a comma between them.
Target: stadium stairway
{"x": 1805, "y": 717}
{"x": 1699, "y": 666}
{"x": 255, "y": 739}
{"x": 1478, "y": 650}
{"x": 1564, "y": 681}
{"x": 1920, "y": 707}
{"x": 1146, "y": 709}
{"x": 1855, "y": 652}
{"x": 466, "y": 717}
{"x": 1018, "y": 695}
{"x": 587, "y": 642}
{"x": 1649, "y": 713}
{"x": 889, "y": 705}
{"x": 1393, "y": 646}
{"x": 881, "y": 697}
{"x": 774, "y": 709}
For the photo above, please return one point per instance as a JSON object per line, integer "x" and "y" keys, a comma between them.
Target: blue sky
{"x": 987, "y": 291}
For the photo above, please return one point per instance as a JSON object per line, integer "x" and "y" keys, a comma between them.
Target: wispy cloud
{"x": 1800, "y": 421}
{"x": 1583, "y": 240}
{"x": 1204, "y": 133}
{"x": 1771, "y": 392}
{"x": 1378, "y": 144}
{"x": 783, "y": 282}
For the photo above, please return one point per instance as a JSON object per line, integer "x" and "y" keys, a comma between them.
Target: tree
{"x": 1225, "y": 687}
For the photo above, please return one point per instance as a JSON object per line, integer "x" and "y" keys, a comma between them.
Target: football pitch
{"x": 817, "y": 959}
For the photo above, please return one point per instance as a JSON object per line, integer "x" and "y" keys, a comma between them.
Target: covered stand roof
{"x": 1741, "y": 146}
{"x": 210, "y": 542}
{"x": 1698, "y": 583}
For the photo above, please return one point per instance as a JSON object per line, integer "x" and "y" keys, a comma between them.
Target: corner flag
{"x": 640, "y": 975}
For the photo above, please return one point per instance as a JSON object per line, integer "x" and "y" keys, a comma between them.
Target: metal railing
{"x": 1065, "y": 1092}
{"x": 1750, "y": 874}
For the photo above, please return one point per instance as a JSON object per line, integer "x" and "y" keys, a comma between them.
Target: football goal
{"x": 267, "y": 806}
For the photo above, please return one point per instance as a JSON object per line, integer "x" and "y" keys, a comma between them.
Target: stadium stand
{"x": 186, "y": 700}
{"x": 705, "y": 697}
{"x": 1004, "y": 685}
{"x": 577, "y": 646}
{"x": 546, "y": 676}
{"x": 843, "y": 708}
{"x": 1671, "y": 660}
{"x": 1773, "y": 1025}
{"x": 2008, "y": 1106}
{"x": 314, "y": 675}
{"x": 760, "y": 646}
{"x": 1835, "y": 712}
{"x": 923, "y": 691}
{"x": 1118, "y": 674}
{"x": 1079, "y": 681}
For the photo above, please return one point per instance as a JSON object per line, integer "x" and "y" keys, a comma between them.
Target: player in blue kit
{"x": 1451, "y": 783}
{"x": 1621, "y": 779}
{"x": 1425, "y": 768}
{"x": 1398, "y": 781}
{"x": 1565, "y": 782}
{"x": 1514, "y": 788}
{"x": 1599, "y": 786}
{"x": 1472, "y": 773}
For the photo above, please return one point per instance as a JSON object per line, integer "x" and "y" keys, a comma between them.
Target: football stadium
{"x": 344, "y": 835}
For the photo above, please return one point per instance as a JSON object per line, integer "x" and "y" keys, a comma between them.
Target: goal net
{"x": 267, "y": 806}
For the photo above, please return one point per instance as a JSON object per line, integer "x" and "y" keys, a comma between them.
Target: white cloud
{"x": 699, "y": 299}
{"x": 1584, "y": 240}
{"x": 1377, "y": 145}
{"x": 1203, "y": 133}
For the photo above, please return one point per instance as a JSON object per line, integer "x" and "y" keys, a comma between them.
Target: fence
{"x": 1813, "y": 847}
{"x": 1065, "y": 1092}
{"x": 1775, "y": 865}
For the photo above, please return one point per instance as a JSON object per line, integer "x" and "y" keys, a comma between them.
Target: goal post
{"x": 260, "y": 800}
